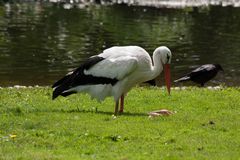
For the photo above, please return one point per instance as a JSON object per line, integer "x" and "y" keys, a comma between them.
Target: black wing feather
{"x": 59, "y": 82}
{"x": 77, "y": 77}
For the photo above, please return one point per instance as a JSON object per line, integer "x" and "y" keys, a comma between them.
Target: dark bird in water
{"x": 202, "y": 74}
{"x": 114, "y": 72}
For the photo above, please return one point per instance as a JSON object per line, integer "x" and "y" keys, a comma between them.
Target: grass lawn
{"x": 206, "y": 125}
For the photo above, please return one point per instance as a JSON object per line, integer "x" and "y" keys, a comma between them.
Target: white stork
{"x": 114, "y": 72}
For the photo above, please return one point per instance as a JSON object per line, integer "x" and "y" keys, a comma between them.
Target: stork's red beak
{"x": 167, "y": 77}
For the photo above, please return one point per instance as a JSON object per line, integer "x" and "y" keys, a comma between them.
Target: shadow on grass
{"x": 106, "y": 112}
{"x": 21, "y": 111}
{"x": 93, "y": 111}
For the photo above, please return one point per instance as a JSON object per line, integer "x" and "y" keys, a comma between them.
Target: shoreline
{"x": 162, "y": 87}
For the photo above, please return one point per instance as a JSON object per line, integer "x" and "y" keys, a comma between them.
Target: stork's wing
{"x": 117, "y": 68}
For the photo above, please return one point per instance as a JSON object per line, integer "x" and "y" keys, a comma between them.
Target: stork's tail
{"x": 61, "y": 87}
{"x": 185, "y": 78}
{"x": 56, "y": 92}
{"x": 60, "y": 90}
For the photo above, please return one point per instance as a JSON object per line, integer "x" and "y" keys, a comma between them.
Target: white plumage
{"x": 117, "y": 67}
{"x": 114, "y": 72}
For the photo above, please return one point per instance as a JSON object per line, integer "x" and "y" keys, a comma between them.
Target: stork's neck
{"x": 157, "y": 65}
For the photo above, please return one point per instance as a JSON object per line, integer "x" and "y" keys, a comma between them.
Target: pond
{"x": 41, "y": 42}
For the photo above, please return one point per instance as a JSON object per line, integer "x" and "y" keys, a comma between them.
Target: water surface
{"x": 40, "y": 42}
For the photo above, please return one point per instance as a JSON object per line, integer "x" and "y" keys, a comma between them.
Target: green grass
{"x": 206, "y": 125}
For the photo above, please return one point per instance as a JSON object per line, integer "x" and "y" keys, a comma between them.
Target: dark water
{"x": 40, "y": 42}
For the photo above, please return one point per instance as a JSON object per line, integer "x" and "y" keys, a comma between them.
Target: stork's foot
{"x": 120, "y": 112}
{"x": 162, "y": 112}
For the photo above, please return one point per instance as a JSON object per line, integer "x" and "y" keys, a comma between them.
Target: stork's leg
{"x": 116, "y": 107}
{"x": 121, "y": 104}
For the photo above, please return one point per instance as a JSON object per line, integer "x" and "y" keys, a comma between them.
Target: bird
{"x": 202, "y": 74}
{"x": 151, "y": 82}
{"x": 114, "y": 72}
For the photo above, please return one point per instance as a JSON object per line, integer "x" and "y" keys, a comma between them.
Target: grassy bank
{"x": 206, "y": 125}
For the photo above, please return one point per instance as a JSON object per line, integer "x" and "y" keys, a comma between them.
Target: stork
{"x": 114, "y": 72}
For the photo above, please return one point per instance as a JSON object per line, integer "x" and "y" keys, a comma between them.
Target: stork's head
{"x": 165, "y": 57}
{"x": 165, "y": 54}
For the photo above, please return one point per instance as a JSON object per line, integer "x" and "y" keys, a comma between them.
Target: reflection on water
{"x": 40, "y": 42}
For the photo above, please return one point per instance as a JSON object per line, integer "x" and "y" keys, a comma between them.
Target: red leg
{"x": 116, "y": 107}
{"x": 121, "y": 104}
